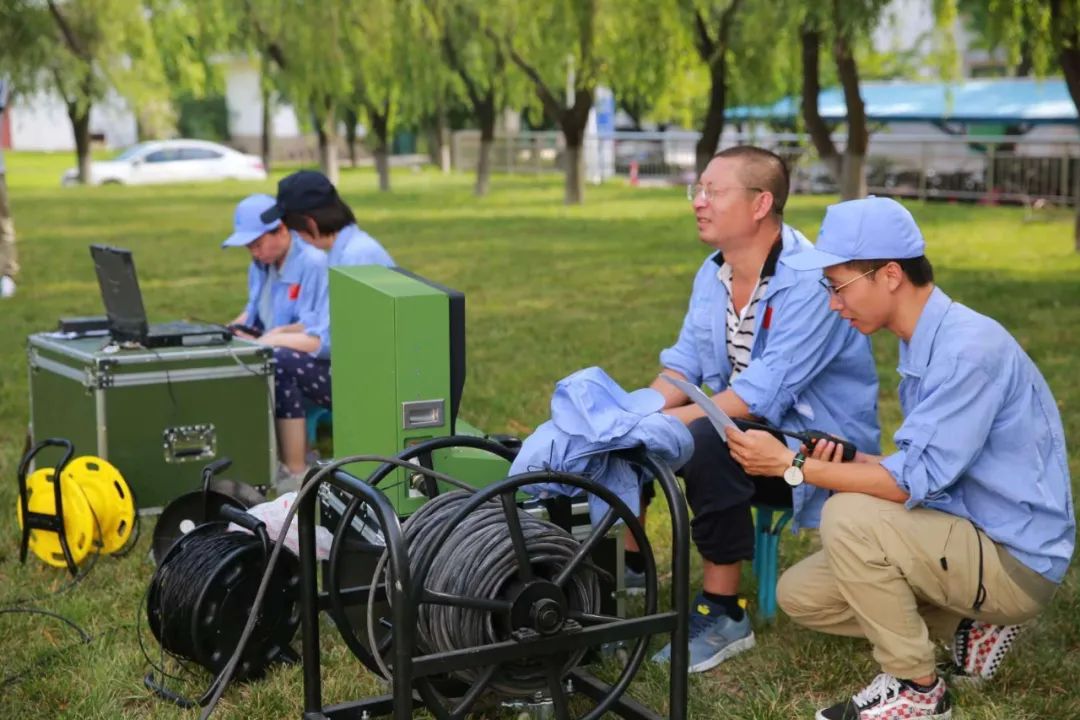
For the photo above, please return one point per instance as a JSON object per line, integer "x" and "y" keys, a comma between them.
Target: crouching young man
{"x": 966, "y": 531}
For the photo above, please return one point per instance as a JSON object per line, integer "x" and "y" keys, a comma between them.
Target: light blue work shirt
{"x": 299, "y": 293}
{"x": 982, "y": 437}
{"x": 353, "y": 246}
{"x": 591, "y": 417}
{"x": 809, "y": 369}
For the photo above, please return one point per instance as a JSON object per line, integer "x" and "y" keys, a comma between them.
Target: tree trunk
{"x": 853, "y": 176}
{"x": 351, "y": 120}
{"x": 265, "y": 147}
{"x": 444, "y": 149}
{"x": 80, "y": 125}
{"x": 1066, "y": 36}
{"x": 575, "y": 174}
{"x": 485, "y": 113}
{"x": 326, "y": 130}
{"x": 811, "y": 89}
{"x": 1076, "y": 228}
{"x": 714, "y": 117}
{"x": 265, "y": 143}
{"x": 439, "y": 140}
{"x": 380, "y": 127}
{"x": 573, "y": 122}
{"x": 853, "y": 182}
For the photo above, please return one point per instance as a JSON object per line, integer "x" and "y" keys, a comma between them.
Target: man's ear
{"x": 894, "y": 276}
{"x": 763, "y": 205}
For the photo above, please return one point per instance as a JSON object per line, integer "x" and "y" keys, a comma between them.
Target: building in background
{"x": 40, "y": 122}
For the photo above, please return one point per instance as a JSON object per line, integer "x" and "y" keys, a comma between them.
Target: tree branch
{"x": 69, "y": 35}
{"x": 811, "y": 90}
{"x": 454, "y": 61}
{"x": 549, "y": 100}
{"x": 272, "y": 48}
{"x": 1068, "y": 49}
{"x": 705, "y": 44}
{"x": 848, "y": 70}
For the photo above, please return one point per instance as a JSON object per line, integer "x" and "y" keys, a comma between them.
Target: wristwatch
{"x": 793, "y": 475}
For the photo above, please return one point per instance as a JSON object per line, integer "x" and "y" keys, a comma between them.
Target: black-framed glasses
{"x": 835, "y": 291}
{"x": 695, "y": 190}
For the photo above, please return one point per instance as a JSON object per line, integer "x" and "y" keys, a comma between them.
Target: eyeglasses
{"x": 695, "y": 190}
{"x": 835, "y": 291}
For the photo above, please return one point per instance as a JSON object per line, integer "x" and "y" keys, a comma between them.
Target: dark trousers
{"x": 720, "y": 494}
{"x": 299, "y": 377}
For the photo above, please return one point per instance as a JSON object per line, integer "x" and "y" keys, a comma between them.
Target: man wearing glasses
{"x": 967, "y": 529}
{"x": 762, "y": 338}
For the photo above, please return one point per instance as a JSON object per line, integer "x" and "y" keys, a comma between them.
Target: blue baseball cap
{"x": 248, "y": 225}
{"x": 872, "y": 228}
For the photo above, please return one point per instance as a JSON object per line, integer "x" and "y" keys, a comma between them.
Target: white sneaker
{"x": 978, "y": 649}
{"x": 286, "y": 481}
{"x": 7, "y": 287}
{"x": 888, "y": 698}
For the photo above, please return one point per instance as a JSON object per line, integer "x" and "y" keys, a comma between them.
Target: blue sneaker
{"x": 714, "y": 637}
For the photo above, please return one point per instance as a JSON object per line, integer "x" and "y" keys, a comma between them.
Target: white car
{"x": 171, "y": 161}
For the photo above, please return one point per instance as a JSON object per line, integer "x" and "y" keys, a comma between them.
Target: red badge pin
{"x": 294, "y": 291}
{"x": 768, "y": 318}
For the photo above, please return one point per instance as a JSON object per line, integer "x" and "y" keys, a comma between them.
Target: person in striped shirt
{"x": 761, "y": 337}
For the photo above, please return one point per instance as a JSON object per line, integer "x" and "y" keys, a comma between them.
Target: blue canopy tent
{"x": 1013, "y": 101}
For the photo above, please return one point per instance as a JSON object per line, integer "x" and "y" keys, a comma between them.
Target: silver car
{"x": 172, "y": 161}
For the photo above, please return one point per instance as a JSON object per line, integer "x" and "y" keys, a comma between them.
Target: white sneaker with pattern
{"x": 978, "y": 649}
{"x": 887, "y": 698}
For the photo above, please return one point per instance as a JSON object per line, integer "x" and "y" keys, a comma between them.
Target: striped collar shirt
{"x": 740, "y": 324}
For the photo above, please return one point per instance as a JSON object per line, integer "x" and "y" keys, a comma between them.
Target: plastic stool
{"x": 316, "y": 415}
{"x": 766, "y": 552}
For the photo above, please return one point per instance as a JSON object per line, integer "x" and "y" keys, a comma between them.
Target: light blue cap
{"x": 247, "y": 225}
{"x": 872, "y": 228}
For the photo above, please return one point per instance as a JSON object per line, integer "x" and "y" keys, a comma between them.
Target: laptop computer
{"x": 120, "y": 293}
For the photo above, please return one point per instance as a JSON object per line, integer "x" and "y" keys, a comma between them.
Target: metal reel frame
{"x": 421, "y": 673}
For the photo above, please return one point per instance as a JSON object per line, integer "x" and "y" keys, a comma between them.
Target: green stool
{"x": 766, "y": 552}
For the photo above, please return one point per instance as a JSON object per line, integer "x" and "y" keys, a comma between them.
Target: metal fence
{"x": 990, "y": 169}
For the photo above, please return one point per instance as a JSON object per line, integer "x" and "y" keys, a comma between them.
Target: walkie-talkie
{"x": 810, "y": 438}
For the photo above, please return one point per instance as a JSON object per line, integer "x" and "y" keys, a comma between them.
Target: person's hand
{"x": 759, "y": 452}
{"x": 825, "y": 450}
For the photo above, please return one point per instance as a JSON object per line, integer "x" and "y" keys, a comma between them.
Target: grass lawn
{"x": 550, "y": 290}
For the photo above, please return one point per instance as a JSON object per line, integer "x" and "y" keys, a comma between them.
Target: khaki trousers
{"x": 899, "y": 577}
{"x": 9, "y": 259}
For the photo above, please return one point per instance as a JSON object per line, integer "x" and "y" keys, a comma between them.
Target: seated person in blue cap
{"x": 288, "y": 309}
{"x": 761, "y": 336}
{"x": 967, "y": 529}
{"x": 310, "y": 206}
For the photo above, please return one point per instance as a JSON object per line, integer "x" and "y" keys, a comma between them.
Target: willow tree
{"x": 79, "y": 50}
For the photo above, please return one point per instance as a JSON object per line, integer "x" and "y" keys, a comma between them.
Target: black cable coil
{"x": 477, "y": 560}
{"x": 202, "y": 594}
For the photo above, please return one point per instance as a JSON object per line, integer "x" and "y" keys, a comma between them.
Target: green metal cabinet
{"x": 392, "y": 362}
{"x": 158, "y": 415}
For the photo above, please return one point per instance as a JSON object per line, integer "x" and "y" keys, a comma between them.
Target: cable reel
{"x": 488, "y": 603}
{"x": 185, "y": 513}
{"x": 202, "y": 594}
{"x": 90, "y": 510}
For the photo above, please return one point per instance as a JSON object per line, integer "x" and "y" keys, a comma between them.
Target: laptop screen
{"x": 120, "y": 292}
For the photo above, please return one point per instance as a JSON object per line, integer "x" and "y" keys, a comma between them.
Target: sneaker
{"x": 7, "y": 287}
{"x": 633, "y": 582}
{"x": 888, "y": 698}
{"x": 978, "y": 649}
{"x": 286, "y": 481}
{"x": 714, "y": 637}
